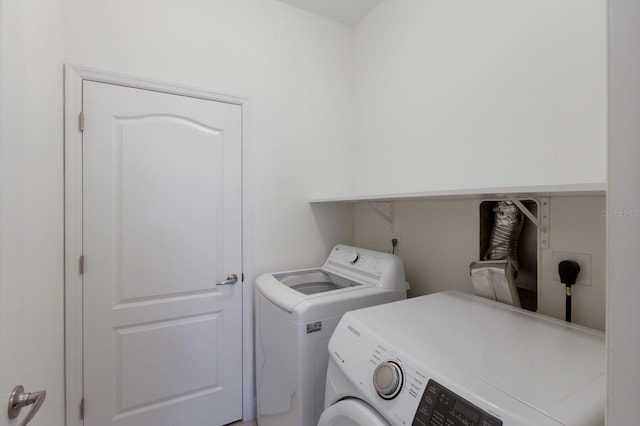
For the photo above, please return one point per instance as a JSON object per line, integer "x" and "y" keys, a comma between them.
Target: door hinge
{"x": 82, "y": 409}
{"x": 81, "y": 264}
{"x": 243, "y": 277}
{"x": 81, "y": 121}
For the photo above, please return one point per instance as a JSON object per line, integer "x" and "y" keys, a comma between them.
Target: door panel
{"x": 144, "y": 381}
{"x": 161, "y": 225}
{"x": 157, "y": 198}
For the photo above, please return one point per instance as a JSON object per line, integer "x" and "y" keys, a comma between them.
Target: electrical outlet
{"x": 583, "y": 259}
{"x": 396, "y": 235}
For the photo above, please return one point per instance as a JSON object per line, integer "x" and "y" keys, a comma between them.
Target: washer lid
{"x": 351, "y": 412}
{"x": 314, "y": 281}
{"x": 304, "y": 287}
{"x": 349, "y": 273}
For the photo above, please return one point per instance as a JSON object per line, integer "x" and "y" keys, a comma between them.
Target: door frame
{"x": 74, "y": 76}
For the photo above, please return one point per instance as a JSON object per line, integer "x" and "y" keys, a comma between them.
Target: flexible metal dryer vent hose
{"x": 505, "y": 234}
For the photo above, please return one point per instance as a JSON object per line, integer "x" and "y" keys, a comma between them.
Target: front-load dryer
{"x": 296, "y": 312}
{"x": 457, "y": 359}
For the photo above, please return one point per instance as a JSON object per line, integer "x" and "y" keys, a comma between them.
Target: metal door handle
{"x": 231, "y": 279}
{"x": 19, "y": 399}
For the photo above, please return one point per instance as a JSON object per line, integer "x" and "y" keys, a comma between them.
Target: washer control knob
{"x": 387, "y": 379}
{"x": 353, "y": 257}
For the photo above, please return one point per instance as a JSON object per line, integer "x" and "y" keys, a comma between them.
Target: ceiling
{"x": 346, "y": 11}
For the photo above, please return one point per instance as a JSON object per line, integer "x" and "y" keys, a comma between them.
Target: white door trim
{"x": 73, "y": 228}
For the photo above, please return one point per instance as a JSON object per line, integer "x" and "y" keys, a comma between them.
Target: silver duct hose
{"x": 494, "y": 276}
{"x": 505, "y": 234}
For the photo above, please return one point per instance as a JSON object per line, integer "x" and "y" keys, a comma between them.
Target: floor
{"x": 249, "y": 423}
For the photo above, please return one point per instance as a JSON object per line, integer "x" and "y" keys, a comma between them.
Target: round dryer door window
{"x": 351, "y": 412}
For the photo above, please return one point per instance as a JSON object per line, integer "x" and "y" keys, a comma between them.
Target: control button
{"x": 353, "y": 257}
{"x": 387, "y": 379}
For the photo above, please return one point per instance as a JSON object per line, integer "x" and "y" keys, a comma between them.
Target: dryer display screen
{"x": 441, "y": 407}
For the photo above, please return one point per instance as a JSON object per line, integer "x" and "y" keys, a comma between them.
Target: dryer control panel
{"x": 440, "y": 406}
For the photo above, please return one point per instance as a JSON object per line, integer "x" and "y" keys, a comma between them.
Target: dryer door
{"x": 351, "y": 412}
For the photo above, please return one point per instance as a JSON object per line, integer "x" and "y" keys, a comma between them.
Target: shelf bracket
{"x": 387, "y": 217}
{"x": 543, "y": 228}
{"x": 525, "y": 210}
{"x": 542, "y": 223}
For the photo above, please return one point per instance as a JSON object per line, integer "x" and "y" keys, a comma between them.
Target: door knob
{"x": 231, "y": 279}
{"x": 19, "y": 399}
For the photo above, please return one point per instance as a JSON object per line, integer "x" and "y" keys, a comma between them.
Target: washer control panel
{"x": 380, "y": 269}
{"x": 439, "y": 406}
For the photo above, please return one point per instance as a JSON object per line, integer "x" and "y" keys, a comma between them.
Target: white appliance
{"x": 296, "y": 312}
{"x": 458, "y": 359}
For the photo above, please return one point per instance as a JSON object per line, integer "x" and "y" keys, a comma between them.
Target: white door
{"x": 161, "y": 226}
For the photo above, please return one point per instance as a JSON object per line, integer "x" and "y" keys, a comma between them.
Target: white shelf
{"x": 589, "y": 189}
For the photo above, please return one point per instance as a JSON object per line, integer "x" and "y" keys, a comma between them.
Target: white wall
{"x": 440, "y": 238}
{"x": 577, "y": 225}
{"x": 296, "y": 70}
{"x": 473, "y": 94}
{"x": 623, "y": 226}
{"x": 31, "y": 216}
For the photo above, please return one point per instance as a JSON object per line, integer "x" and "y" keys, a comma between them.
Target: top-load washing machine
{"x": 458, "y": 359}
{"x": 296, "y": 312}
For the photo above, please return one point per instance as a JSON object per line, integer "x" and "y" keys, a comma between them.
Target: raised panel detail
{"x": 167, "y": 360}
{"x": 171, "y": 191}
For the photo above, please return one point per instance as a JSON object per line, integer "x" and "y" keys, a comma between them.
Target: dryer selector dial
{"x": 353, "y": 257}
{"x": 388, "y": 379}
